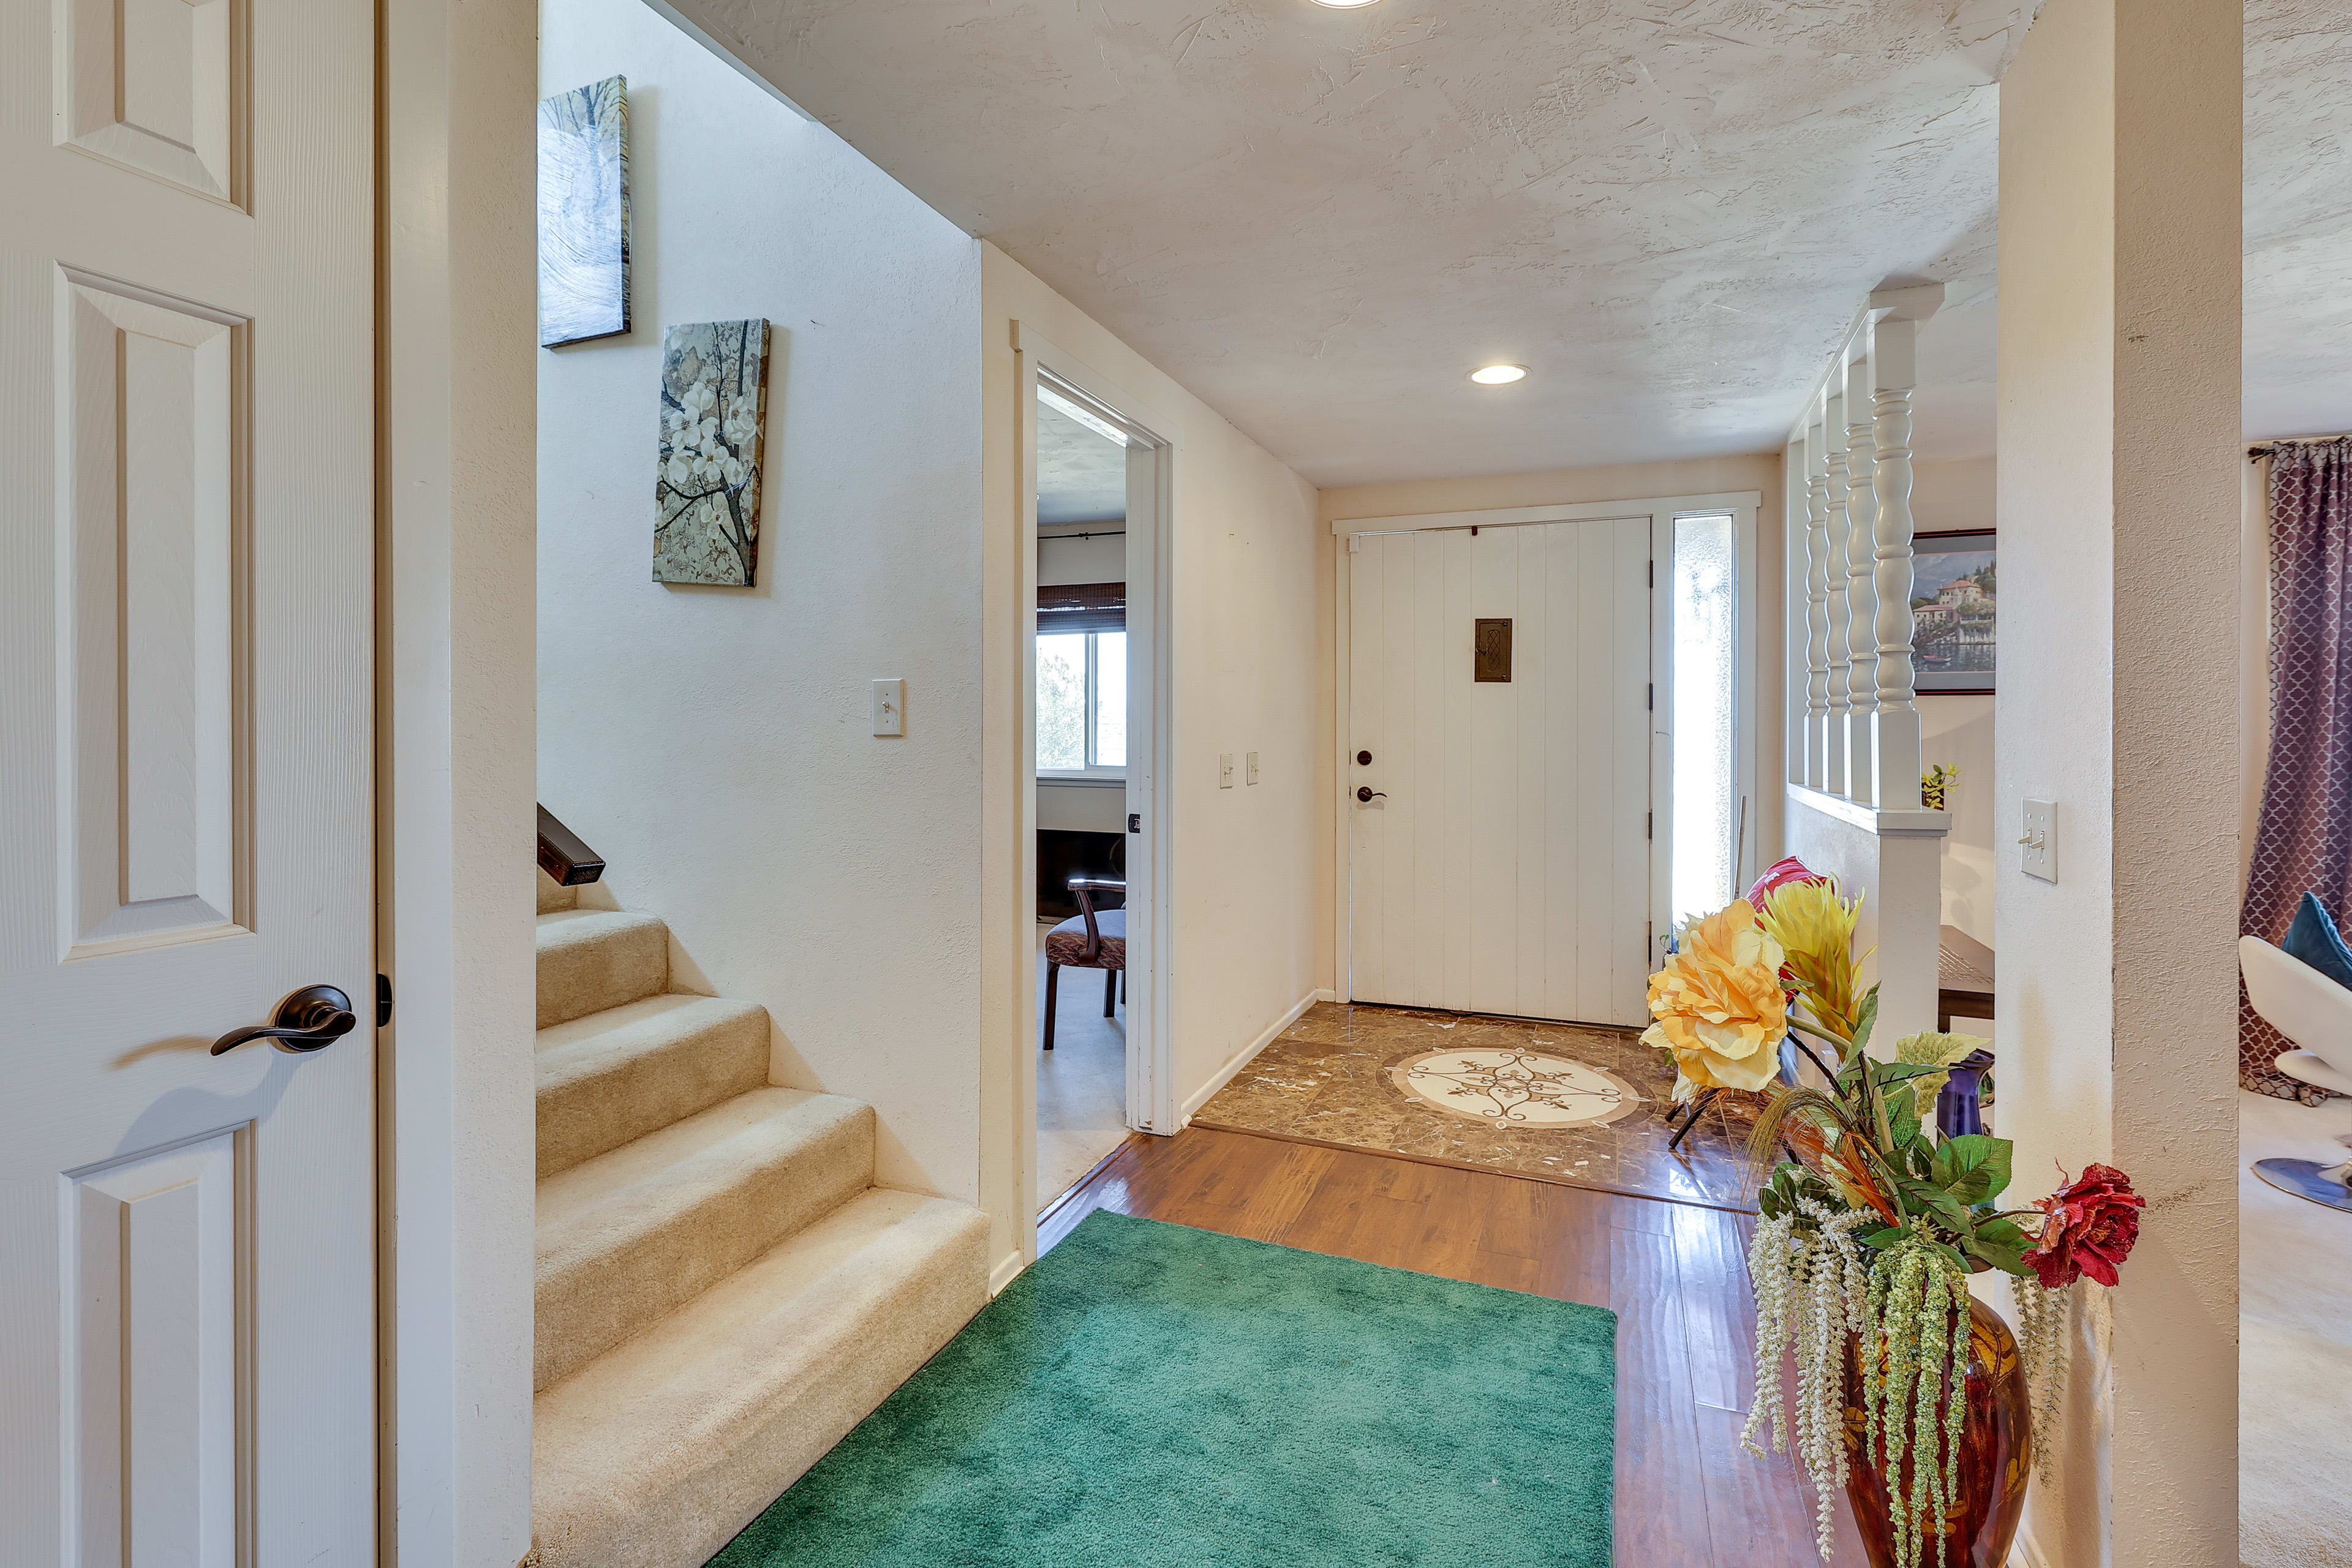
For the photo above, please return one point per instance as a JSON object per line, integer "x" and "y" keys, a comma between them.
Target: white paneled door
{"x": 1501, "y": 862}
{"x": 188, "y": 1240}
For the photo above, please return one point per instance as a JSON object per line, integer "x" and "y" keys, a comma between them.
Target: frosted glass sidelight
{"x": 1705, "y": 716}
{"x": 1062, "y": 702}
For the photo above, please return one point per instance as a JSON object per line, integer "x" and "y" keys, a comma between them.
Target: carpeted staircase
{"x": 722, "y": 1290}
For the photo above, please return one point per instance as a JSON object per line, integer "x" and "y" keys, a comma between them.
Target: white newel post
{"x": 1896, "y": 717}
{"x": 1836, "y": 770}
{"x": 1817, "y": 621}
{"x": 1860, "y": 564}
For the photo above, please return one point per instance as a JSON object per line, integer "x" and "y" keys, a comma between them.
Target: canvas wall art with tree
{"x": 706, "y": 495}
{"x": 584, "y": 212}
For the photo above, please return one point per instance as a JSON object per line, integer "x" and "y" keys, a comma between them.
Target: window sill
{"x": 1084, "y": 781}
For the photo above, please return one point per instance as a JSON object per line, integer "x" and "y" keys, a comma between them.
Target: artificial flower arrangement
{"x": 1869, "y": 1231}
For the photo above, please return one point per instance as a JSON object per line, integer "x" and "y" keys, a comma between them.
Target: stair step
{"x": 638, "y": 1231}
{"x": 658, "y": 1453}
{"x": 632, "y": 1069}
{"x": 553, "y": 895}
{"x": 590, "y": 959}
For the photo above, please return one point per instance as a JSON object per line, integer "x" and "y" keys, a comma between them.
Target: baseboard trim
{"x": 1008, "y": 1268}
{"x": 1327, "y": 995}
{"x": 1242, "y": 1058}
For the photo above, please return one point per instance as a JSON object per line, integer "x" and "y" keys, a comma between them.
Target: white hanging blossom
{"x": 2043, "y": 1321}
{"x": 1810, "y": 1290}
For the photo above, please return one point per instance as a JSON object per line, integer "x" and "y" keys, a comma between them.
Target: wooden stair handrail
{"x": 563, "y": 856}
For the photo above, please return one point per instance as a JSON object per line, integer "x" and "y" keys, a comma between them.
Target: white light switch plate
{"x": 890, "y": 707}
{"x": 1253, "y": 767}
{"x": 1225, "y": 770}
{"x": 2038, "y": 845}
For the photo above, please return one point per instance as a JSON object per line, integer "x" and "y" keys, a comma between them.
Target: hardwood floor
{"x": 1675, "y": 1274}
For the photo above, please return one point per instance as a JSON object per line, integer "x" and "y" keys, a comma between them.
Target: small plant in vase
{"x": 1909, "y": 1394}
{"x": 1935, "y": 785}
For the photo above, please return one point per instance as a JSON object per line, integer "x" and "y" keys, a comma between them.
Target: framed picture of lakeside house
{"x": 1954, "y": 592}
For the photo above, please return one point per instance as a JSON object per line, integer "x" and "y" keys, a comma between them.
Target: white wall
{"x": 2120, "y": 460}
{"x": 1957, "y": 730}
{"x": 1244, "y": 554}
{"x": 1101, "y": 559}
{"x": 713, "y": 743}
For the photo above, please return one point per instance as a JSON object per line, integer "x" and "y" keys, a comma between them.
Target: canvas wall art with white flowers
{"x": 707, "y": 496}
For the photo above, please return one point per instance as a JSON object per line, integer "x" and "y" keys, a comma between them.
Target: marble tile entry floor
{"x": 1569, "y": 1103}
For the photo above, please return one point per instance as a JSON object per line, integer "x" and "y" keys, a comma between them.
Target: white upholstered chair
{"x": 2314, "y": 1014}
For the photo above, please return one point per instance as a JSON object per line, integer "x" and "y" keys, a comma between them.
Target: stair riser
{"x": 597, "y": 1289}
{"x": 643, "y": 1092}
{"x": 617, "y": 967}
{"x": 673, "y": 1503}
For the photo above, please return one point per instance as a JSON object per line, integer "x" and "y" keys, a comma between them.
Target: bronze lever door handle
{"x": 1367, "y": 794}
{"x": 311, "y": 1019}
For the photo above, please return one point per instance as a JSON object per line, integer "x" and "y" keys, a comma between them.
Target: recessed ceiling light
{"x": 1498, "y": 374}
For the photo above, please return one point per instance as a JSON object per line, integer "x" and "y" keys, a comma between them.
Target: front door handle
{"x": 311, "y": 1019}
{"x": 1367, "y": 794}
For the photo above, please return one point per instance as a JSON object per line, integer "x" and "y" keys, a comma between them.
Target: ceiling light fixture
{"x": 1342, "y": 4}
{"x": 1498, "y": 374}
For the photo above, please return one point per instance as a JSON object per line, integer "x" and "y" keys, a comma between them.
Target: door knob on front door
{"x": 1367, "y": 794}
{"x": 311, "y": 1019}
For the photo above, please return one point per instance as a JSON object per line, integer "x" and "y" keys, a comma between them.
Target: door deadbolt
{"x": 1363, "y": 759}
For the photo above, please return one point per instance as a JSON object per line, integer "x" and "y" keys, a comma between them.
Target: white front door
{"x": 1502, "y": 863}
{"x": 187, "y": 1241}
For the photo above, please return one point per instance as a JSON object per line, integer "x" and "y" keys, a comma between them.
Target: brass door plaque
{"x": 1492, "y": 643}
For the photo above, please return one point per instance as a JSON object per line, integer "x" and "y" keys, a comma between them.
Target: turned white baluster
{"x": 1895, "y": 722}
{"x": 1817, "y": 619}
{"x": 1861, "y": 590}
{"x": 1834, "y": 489}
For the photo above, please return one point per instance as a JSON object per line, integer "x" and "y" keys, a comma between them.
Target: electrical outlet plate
{"x": 890, "y": 707}
{"x": 2038, "y": 843}
{"x": 1253, "y": 767}
{"x": 1225, "y": 770}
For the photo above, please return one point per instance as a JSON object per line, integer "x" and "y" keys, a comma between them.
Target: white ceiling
{"x": 1081, "y": 473}
{"x": 1320, "y": 220}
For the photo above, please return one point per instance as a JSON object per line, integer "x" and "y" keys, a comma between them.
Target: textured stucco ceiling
{"x": 2298, "y": 218}
{"x": 1081, "y": 473}
{"x": 1320, "y": 220}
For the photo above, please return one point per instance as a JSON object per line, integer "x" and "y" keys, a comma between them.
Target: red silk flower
{"x": 1778, "y": 874}
{"x": 2094, "y": 1221}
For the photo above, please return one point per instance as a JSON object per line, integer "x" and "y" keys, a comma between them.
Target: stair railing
{"x": 564, "y": 855}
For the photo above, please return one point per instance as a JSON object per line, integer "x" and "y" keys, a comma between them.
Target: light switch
{"x": 1253, "y": 767}
{"x": 2038, "y": 845}
{"x": 1225, "y": 770}
{"x": 890, "y": 707}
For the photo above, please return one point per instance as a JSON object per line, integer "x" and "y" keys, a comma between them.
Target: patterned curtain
{"x": 2303, "y": 841}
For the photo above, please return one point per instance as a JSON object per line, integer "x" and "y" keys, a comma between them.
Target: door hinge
{"x": 1649, "y": 825}
{"x": 1135, "y": 822}
{"x": 382, "y": 1000}
{"x": 1651, "y": 701}
{"x": 1651, "y": 576}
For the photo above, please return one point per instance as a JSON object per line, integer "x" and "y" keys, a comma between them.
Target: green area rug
{"x": 1152, "y": 1394}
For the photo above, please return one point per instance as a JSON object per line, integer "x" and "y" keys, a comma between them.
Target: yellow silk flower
{"x": 1718, "y": 1004}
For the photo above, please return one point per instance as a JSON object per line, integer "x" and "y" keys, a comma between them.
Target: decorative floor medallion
{"x": 1516, "y": 1087}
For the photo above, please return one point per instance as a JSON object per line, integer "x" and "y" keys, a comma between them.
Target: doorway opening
{"x": 1096, "y": 480}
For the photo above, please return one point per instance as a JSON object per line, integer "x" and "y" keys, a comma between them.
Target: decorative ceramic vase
{"x": 1995, "y": 1456}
